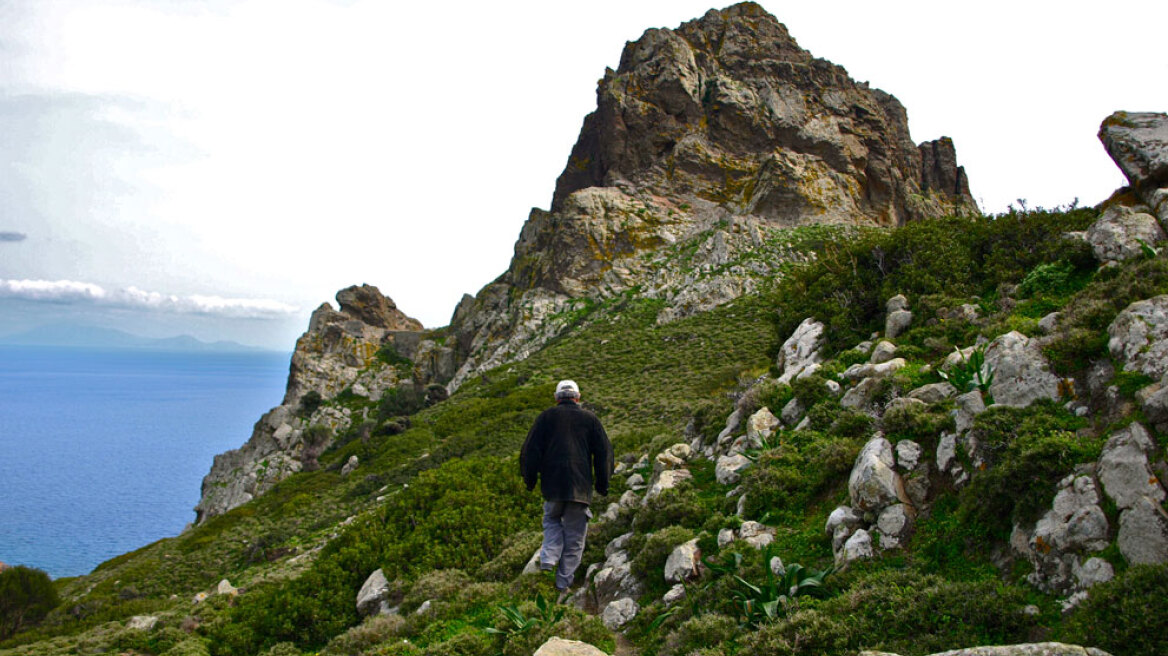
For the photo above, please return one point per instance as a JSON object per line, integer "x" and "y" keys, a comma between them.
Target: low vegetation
{"x": 438, "y": 506}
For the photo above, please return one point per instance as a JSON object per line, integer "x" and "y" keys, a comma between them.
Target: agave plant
{"x": 758, "y": 604}
{"x": 970, "y": 373}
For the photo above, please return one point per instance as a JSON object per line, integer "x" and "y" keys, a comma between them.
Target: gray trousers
{"x": 565, "y": 524}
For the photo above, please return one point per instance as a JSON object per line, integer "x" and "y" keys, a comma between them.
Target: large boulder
{"x": 1021, "y": 373}
{"x": 1139, "y": 337}
{"x": 1138, "y": 142}
{"x": 1031, "y": 649}
{"x": 1143, "y": 533}
{"x": 1125, "y": 470}
{"x": 801, "y": 351}
{"x": 684, "y": 562}
{"x": 665, "y": 480}
{"x": 367, "y": 304}
{"x": 1122, "y": 232}
{"x": 373, "y": 598}
{"x": 729, "y": 468}
{"x": 873, "y": 483}
{"x": 562, "y": 647}
{"x": 619, "y": 613}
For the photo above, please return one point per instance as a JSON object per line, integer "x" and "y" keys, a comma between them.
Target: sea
{"x": 104, "y": 451}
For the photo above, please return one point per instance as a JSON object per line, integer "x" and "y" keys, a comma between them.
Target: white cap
{"x": 567, "y": 388}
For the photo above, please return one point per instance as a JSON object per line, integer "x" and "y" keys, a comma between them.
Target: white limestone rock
{"x": 760, "y": 426}
{"x": 1021, "y": 373}
{"x": 561, "y": 647}
{"x": 883, "y": 352}
{"x": 894, "y": 525}
{"x": 673, "y": 595}
{"x": 933, "y": 392}
{"x": 1143, "y": 533}
{"x": 755, "y": 534}
{"x": 373, "y": 598}
{"x": 792, "y": 412}
{"x": 1124, "y": 468}
{"x": 843, "y": 516}
{"x": 225, "y": 588}
{"x": 1075, "y": 522}
{"x": 1139, "y": 337}
{"x": 729, "y": 468}
{"x": 801, "y": 350}
{"x": 873, "y": 484}
{"x": 896, "y": 323}
{"x": 858, "y": 547}
{"x": 1117, "y": 234}
{"x": 908, "y": 455}
{"x": 619, "y": 613}
{"x": 684, "y": 562}
{"x": 880, "y": 370}
{"x": 665, "y": 480}
{"x": 862, "y": 394}
{"x": 1092, "y": 572}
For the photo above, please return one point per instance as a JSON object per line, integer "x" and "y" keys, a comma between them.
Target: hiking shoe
{"x": 565, "y": 595}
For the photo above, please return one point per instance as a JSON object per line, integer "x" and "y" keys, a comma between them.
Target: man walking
{"x": 569, "y": 452}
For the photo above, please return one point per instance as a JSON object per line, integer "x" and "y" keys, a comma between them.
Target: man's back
{"x": 568, "y": 450}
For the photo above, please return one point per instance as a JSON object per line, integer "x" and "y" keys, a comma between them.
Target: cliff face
{"x": 725, "y": 130}
{"x": 365, "y": 349}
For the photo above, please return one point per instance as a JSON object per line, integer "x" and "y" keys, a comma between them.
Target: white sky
{"x": 210, "y": 154}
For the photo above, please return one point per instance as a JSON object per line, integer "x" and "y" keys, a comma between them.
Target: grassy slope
{"x": 462, "y": 527}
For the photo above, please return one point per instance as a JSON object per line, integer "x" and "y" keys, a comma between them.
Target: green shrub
{"x": 1082, "y": 336}
{"x": 1027, "y": 451}
{"x": 680, "y": 506}
{"x": 901, "y": 612}
{"x": 648, "y": 563}
{"x": 26, "y": 596}
{"x": 400, "y": 401}
{"x": 847, "y": 285}
{"x": 388, "y": 354}
{"x": 917, "y": 422}
{"x": 1124, "y": 616}
{"x": 309, "y": 403}
{"x": 788, "y": 479}
{"x": 434, "y": 585}
{"x": 511, "y": 559}
{"x": 700, "y": 631}
{"x": 359, "y": 639}
{"x": 1130, "y": 382}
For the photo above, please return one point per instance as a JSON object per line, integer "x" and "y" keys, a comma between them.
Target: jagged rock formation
{"x": 721, "y": 131}
{"x": 343, "y": 350}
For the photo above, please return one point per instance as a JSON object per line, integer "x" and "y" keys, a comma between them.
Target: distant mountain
{"x": 75, "y": 335}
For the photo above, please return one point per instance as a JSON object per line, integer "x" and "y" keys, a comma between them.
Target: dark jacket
{"x": 568, "y": 450}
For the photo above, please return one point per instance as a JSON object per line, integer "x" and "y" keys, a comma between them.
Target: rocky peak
{"x": 367, "y": 304}
{"x": 725, "y": 131}
{"x": 342, "y": 351}
{"x": 728, "y": 109}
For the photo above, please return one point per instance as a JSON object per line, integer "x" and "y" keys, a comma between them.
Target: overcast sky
{"x": 221, "y": 168}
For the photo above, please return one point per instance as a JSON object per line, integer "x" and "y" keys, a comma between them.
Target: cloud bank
{"x": 87, "y": 293}
{"x": 12, "y": 236}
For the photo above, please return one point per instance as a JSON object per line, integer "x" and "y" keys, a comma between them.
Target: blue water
{"x": 102, "y": 452}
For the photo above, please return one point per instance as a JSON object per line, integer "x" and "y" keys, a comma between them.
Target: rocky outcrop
{"x": 1138, "y": 142}
{"x": 562, "y": 647}
{"x": 1034, "y": 649}
{"x": 365, "y": 348}
{"x": 373, "y": 598}
{"x": 1139, "y": 337}
{"x": 706, "y": 141}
